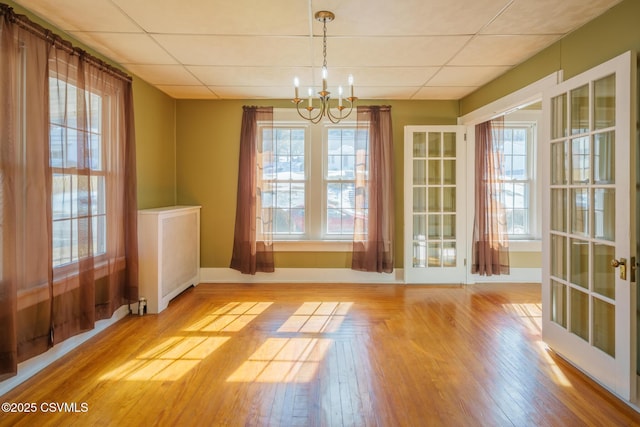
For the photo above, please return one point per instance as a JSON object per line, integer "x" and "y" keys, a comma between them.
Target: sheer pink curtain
{"x": 67, "y": 191}
{"x": 26, "y": 218}
{"x": 373, "y": 238}
{"x": 252, "y": 240}
{"x": 93, "y": 167}
{"x": 490, "y": 242}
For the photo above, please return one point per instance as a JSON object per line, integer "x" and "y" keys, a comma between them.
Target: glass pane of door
{"x": 440, "y": 163}
{"x": 432, "y": 238}
{"x": 582, "y": 213}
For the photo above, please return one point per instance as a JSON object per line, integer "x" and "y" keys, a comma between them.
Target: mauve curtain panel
{"x": 373, "y": 238}
{"x": 250, "y": 253}
{"x": 67, "y": 191}
{"x": 490, "y": 250}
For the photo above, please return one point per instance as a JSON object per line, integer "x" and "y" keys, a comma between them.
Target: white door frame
{"x": 503, "y": 106}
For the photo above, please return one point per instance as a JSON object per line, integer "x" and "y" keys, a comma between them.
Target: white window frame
{"x": 102, "y": 209}
{"x": 532, "y": 129}
{"x": 290, "y": 125}
{"x": 315, "y": 238}
{"x": 325, "y": 235}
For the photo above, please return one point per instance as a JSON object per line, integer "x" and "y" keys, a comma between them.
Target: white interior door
{"x": 588, "y": 296}
{"x": 434, "y": 204}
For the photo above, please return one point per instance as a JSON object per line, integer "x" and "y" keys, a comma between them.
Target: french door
{"x": 588, "y": 289}
{"x": 434, "y": 204}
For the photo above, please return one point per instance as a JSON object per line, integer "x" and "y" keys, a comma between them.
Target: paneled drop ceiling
{"x": 400, "y": 49}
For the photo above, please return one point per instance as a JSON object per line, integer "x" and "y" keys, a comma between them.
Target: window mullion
{"x": 316, "y": 197}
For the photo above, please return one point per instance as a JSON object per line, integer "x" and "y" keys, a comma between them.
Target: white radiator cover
{"x": 169, "y": 253}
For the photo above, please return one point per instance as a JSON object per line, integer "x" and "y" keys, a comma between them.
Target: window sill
{"x": 65, "y": 282}
{"x": 313, "y": 246}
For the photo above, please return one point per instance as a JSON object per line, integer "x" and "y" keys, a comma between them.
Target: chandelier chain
{"x": 324, "y": 43}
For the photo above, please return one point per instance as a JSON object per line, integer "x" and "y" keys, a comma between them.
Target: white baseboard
{"x": 30, "y": 367}
{"x": 300, "y": 275}
{"x": 517, "y": 275}
{"x": 346, "y": 275}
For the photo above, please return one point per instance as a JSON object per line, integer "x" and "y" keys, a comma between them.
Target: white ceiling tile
{"x": 389, "y": 51}
{"x": 164, "y": 74}
{"x": 501, "y": 50}
{"x": 250, "y": 76}
{"x": 533, "y": 17}
{"x": 409, "y": 17}
{"x": 76, "y": 15}
{"x": 385, "y": 92}
{"x": 237, "y": 50}
{"x": 253, "y": 92}
{"x": 127, "y": 48}
{"x": 440, "y": 92}
{"x": 378, "y": 76}
{"x": 188, "y": 92}
{"x": 286, "y": 17}
{"x": 466, "y": 76}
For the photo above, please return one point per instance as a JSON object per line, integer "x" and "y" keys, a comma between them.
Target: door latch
{"x": 622, "y": 264}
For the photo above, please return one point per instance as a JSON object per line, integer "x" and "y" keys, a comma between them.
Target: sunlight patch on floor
{"x": 283, "y": 360}
{"x": 233, "y": 317}
{"x": 556, "y": 373}
{"x": 295, "y": 359}
{"x": 317, "y": 317}
{"x": 530, "y": 313}
{"x": 168, "y": 361}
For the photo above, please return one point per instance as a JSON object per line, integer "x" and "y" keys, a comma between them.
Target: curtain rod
{"x": 26, "y": 24}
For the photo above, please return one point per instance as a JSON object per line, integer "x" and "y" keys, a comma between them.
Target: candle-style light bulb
{"x": 339, "y": 96}
{"x": 351, "y": 84}
{"x": 324, "y": 78}
{"x": 296, "y": 83}
{"x": 310, "y": 95}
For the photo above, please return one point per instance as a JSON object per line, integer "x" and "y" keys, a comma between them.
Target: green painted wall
{"x": 208, "y": 135}
{"x": 525, "y": 259}
{"x": 155, "y": 146}
{"x": 606, "y": 37}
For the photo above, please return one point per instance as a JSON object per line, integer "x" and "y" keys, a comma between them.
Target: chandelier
{"x": 313, "y": 114}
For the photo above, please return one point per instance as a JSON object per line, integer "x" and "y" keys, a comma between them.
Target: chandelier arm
{"x": 313, "y": 119}
{"x": 341, "y": 116}
{"x": 332, "y": 119}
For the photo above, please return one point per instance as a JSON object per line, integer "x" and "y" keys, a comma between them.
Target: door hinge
{"x": 465, "y": 262}
{"x": 465, "y": 137}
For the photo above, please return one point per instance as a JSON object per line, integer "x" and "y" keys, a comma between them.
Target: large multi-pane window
{"x": 284, "y": 179}
{"x": 516, "y": 177}
{"x": 308, "y": 180}
{"x": 78, "y": 181}
{"x": 341, "y": 163}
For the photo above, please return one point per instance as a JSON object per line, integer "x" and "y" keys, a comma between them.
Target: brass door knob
{"x": 617, "y": 263}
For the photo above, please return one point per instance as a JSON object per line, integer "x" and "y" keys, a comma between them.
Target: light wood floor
{"x": 325, "y": 355}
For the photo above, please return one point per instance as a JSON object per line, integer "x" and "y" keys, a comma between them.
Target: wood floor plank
{"x": 325, "y": 355}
